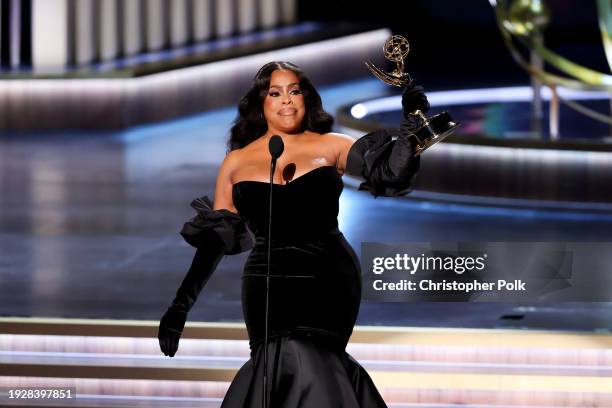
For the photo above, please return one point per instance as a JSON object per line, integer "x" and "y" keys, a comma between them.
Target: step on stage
{"x": 118, "y": 364}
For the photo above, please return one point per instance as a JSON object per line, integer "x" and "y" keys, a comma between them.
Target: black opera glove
{"x": 203, "y": 265}
{"x": 214, "y": 234}
{"x": 387, "y": 164}
{"x": 385, "y": 158}
{"x": 413, "y": 99}
{"x": 170, "y": 329}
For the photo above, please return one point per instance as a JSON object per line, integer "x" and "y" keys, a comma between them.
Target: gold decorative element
{"x": 395, "y": 50}
{"x": 432, "y": 130}
{"x": 526, "y": 17}
{"x": 524, "y": 21}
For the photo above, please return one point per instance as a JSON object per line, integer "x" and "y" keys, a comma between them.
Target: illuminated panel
{"x": 1, "y": 35}
{"x": 15, "y": 28}
{"x": 268, "y": 11}
{"x": 49, "y": 35}
{"x": 155, "y": 25}
{"x": 247, "y": 16}
{"x": 202, "y": 19}
{"x": 84, "y": 33}
{"x": 224, "y": 18}
{"x": 289, "y": 11}
{"x": 179, "y": 29}
{"x": 132, "y": 29}
{"x": 108, "y": 29}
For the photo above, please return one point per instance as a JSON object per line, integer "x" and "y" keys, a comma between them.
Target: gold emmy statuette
{"x": 433, "y": 129}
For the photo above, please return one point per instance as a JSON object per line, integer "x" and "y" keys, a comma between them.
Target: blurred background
{"x": 114, "y": 115}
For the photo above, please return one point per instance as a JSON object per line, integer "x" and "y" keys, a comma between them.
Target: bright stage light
{"x": 474, "y": 96}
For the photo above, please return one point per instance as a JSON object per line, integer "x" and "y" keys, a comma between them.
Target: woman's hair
{"x": 250, "y": 124}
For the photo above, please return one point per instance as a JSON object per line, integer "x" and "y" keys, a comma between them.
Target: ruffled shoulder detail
{"x": 371, "y": 158}
{"x": 229, "y": 226}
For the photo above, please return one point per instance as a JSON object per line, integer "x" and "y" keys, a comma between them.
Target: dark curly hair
{"x": 250, "y": 124}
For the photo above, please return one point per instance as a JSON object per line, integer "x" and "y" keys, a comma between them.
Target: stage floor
{"x": 89, "y": 228}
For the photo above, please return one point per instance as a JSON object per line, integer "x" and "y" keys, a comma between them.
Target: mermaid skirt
{"x": 303, "y": 372}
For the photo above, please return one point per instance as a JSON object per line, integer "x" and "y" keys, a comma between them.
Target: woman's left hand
{"x": 414, "y": 98}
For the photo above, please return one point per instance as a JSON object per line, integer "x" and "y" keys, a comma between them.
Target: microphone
{"x": 276, "y": 148}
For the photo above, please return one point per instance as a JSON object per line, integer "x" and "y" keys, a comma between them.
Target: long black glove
{"x": 385, "y": 158}
{"x": 413, "y": 99}
{"x": 214, "y": 234}
{"x": 203, "y": 265}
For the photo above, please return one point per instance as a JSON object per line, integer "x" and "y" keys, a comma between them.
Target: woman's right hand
{"x": 170, "y": 329}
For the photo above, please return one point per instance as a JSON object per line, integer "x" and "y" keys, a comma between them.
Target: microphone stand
{"x": 265, "y": 373}
{"x": 276, "y": 147}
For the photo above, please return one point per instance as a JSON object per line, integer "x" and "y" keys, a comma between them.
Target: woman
{"x": 315, "y": 285}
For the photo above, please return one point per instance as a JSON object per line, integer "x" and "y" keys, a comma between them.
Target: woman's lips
{"x": 287, "y": 112}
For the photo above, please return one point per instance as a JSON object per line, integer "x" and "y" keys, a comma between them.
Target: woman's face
{"x": 284, "y": 106}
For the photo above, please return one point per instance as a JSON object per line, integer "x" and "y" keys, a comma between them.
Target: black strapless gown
{"x": 315, "y": 291}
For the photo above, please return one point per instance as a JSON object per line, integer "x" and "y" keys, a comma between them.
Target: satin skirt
{"x": 303, "y": 372}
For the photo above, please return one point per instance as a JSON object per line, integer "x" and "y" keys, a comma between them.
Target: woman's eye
{"x": 292, "y": 92}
